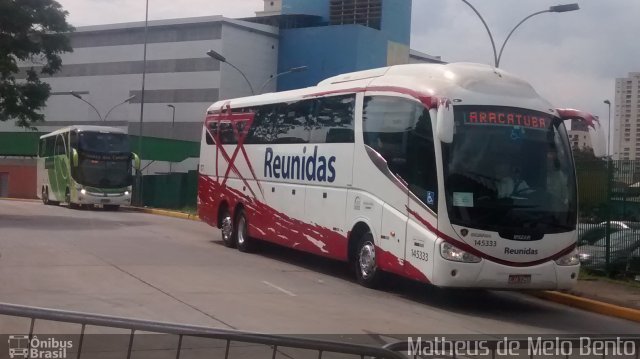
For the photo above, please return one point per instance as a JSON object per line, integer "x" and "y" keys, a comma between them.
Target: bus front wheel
{"x": 67, "y": 198}
{"x": 367, "y": 271}
{"x": 243, "y": 241}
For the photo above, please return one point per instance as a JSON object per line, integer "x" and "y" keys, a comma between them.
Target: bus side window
{"x": 293, "y": 121}
{"x": 212, "y": 129}
{"x": 60, "y": 146}
{"x": 400, "y": 131}
{"x": 334, "y": 120}
{"x": 263, "y": 130}
{"x": 42, "y": 147}
{"x": 226, "y": 134}
{"x": 73, "y": 139}
{"x": 421, "y": 158}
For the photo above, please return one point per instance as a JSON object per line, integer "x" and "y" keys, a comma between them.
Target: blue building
{"x": 337, "y": 36}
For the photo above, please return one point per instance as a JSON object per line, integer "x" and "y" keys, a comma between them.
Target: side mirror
{"x": 444, "y": 121}
{"x": 136, "y": 161}
{"x": 74, "y": 157}
{"x": 598, "y": 141}
{"x": 596, "y": 132}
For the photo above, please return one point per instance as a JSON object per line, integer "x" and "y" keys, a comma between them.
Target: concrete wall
{"x": 329, "y": 51}
{"x": 396, "y": 20}
{"x": 20, "y": 177}
{"x": 255, "y": 54}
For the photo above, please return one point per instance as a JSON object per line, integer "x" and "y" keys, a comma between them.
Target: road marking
{"x": 280, "y": 289}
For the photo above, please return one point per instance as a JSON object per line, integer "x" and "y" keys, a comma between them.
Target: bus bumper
{"x": 119, "y": 199}
{"x": 488, "y": 274}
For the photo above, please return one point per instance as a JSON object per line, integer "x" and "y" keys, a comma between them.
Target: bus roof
{"x": 87, "y": 128}
{"x": 470, "y": 82}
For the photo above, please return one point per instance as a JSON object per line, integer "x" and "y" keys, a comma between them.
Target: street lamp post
{"x": 76, "y": 95}
{"x": 498, "y": 56}
{"x": 173, "y": 121}
{"x": 291, "y": 70}
{"x": 609, "y": 185}
{"x": 103, "y": 119}
{"x": 114, "y": 107}
{"x": 139, "y": 197}
{"x": 608, "y": 103}
{"x": 216, "y": 56}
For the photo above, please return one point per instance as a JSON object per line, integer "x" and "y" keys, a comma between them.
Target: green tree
{"x": 31, "y": 32}
{"x": 591, "y": 173}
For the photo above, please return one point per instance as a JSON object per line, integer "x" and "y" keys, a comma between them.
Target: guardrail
{"x": 276, "y": 342}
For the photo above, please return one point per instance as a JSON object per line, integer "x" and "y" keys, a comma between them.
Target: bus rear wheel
{"x": 367, "y": 272}
{"x": 242, "y": 239}
{"x": 226, "y": 228}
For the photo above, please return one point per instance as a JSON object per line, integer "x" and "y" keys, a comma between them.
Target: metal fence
{"x": 609, "y": 215}
{"x": 234, "y": 343}
{"x": 238, "y": 344}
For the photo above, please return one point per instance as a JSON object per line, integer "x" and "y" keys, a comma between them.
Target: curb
{"x": 590, "y": 305}
{"x": 166, "y": 213}
{"x": 19, "y": 199}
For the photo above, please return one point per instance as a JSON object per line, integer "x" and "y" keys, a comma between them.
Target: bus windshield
{"x": 100, "y": 142}
{"x": 104, "y": 160}
{"x": 509, "y": 169}
{"x": 104, "y": 174}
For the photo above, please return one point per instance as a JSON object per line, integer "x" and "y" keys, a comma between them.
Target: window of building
{"x": 361, "y": 12}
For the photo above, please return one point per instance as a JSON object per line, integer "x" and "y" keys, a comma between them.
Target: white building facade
{"x": 626, "y": 136}
{"x": 106, "y": 65}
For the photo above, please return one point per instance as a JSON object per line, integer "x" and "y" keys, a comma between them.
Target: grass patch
{"x": 589, "y": 275}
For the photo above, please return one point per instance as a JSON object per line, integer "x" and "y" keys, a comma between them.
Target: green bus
{"x": 86, "y": 166}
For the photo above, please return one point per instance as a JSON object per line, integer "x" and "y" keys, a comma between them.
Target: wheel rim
{"x": 367, "y": 260}
{"x": 227, "y": 228}
{"x": 241, "y": 230}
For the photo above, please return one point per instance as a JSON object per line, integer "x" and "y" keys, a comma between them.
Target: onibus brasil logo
{"x": 20, "y": 346}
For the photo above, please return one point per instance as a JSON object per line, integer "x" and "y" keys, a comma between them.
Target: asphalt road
{"x": 145, "y": 266}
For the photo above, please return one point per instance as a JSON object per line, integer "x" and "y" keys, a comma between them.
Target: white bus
{"x": 459, "y": 175}
{"x": 85, "y": 166}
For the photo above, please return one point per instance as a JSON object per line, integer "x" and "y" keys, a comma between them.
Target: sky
{"x": 572, "y": 59}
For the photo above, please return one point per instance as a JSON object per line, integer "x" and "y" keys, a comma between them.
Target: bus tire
{"x": 243, "y": 241}
{"x": 67, "y": 198}
{"x": 226, "y": 228}
{"x": 367, "y": 272}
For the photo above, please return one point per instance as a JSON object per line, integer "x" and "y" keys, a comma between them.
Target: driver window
{"x": 400, "y": 130}
{"x": 60, "y": 146}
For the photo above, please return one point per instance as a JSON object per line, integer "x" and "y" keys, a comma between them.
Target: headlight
{"x": 83, "y": 191}
{"x": 126, "y": 193}
{"x": 452, "y": 253}
{"x": 571, "y": 259}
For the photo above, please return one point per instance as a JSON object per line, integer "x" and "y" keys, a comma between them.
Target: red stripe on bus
{"x": 467, "y": 248}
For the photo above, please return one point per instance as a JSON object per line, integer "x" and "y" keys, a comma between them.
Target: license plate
{"x": 105, "y": 200}
{"x": 520, "y": 279}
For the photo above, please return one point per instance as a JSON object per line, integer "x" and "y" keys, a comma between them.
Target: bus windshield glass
{"x": 104, "y": 160}
{"x": 509, "y": 169}
{"x": 103, "y": 142}
{"x": 104, "y": 174}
